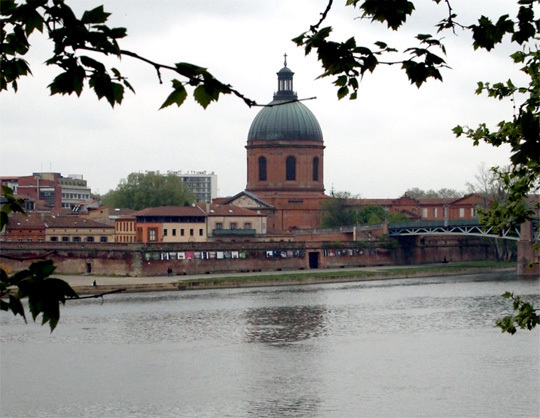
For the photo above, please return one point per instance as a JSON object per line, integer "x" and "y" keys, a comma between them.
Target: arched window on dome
{"x": 290, "y": 173}
{"x": 316, "y": 169}
{"x": 262, "y": 169}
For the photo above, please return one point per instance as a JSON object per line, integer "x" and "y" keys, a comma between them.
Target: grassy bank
{"x": 296, "y": 278}
{"x": 320, "y": 276}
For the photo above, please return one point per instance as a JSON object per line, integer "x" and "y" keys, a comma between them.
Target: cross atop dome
{"x": 285, "y": 59}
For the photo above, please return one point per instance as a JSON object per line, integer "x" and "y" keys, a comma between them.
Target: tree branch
{"x": 314, "y": 28}
{"x": 100, "y": 295}
{"x": 41, "y": 257}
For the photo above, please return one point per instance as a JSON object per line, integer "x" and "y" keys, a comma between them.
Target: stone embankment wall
{"x": 438, "y": 249}
{"x": 202, "y": 258}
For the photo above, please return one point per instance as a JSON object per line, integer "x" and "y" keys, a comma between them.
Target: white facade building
{"x": 74, "y": 190}
{"x": 202, "y": 184}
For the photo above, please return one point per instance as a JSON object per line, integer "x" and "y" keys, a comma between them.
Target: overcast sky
{"x": 392, "y": 138}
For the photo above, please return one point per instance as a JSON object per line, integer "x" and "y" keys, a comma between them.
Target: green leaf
{"x": 394, "y": 13}
{"x": 201, "y": 96}
{"x": 33, "y": 21}
{"x": 4, "y": 306}
{"x": 178, "y": 96}
{"x": 68, "y": 82}
{"x": 299, "y": 40}
{"x": 42, "y": 269}
{"x": 97, "y": 15}
{"x": 90, "y": 62}
{"x": 342, "y": 92}
{"x": 16, "y": 306}
{"x": 189, "y": 70}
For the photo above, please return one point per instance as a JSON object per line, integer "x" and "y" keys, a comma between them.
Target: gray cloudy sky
{"x": 393, "y": 137}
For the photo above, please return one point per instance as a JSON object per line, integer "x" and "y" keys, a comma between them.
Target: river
{"x": 421, "y": 347}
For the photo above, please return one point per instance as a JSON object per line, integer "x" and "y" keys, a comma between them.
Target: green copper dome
{"x": 285, "y": 118}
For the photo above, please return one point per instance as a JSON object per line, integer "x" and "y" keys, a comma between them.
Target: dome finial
{"x": 285, "y": 59}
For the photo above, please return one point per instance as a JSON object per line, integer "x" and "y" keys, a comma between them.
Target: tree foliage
{"x": 337, "y": 211}
{"x": 342, "y": 210}
{"x": 44, "y": 293}
{"x": 151, "y": 189}
{"x": 78, "y": 45}
{"x": 417, "y": 193}
{"x": 347, "y": 62}
{"x": 488, "y": 184}
{"x": 525, "y": 317}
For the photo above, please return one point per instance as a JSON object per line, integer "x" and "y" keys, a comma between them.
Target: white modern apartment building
{"x": 202, "y": 184}
{"x": 74, "y": 190}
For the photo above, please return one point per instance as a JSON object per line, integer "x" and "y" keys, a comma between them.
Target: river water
{"x": 394, "y": 348}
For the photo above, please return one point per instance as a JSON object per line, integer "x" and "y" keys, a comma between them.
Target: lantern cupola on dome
{"x": 285, "y": 118}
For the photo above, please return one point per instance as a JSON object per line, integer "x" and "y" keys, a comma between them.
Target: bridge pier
{"x": 526, "y": 253}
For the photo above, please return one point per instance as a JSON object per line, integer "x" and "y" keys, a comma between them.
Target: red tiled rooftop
{"x": 230, "y": 210}
{"x": 171, "y": 211}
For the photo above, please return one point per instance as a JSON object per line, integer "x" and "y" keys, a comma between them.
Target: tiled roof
{"x": 436, "y": 200}
{"x": 72, "y": 221}
{"x": 171, "y": 211}
{"x": 230, "y": 210}
{"x": 31, "y": 220}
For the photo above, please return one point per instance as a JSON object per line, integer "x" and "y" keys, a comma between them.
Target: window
{"x": 461, "y": 212}
{"x": 200, "y": 232}
{"x": 233, "y": 225}
{"x": 65, "y": 239}
{"x": 89, "y": 239}
{"x": 473, "y": 213}
{"x": 174, "y": 232}
{"x": 219, "y": 225}
{"x": 247, "y": 225}
{"x": 76, "y": 239}
{"x": 151, "y": 235}
{"x": 40, "y": 240}
{"x": 103, "y": 239}
{"x": 316, "y": 169}
{"x": 262, "y": 169}
{"x": 182, "y": 232}
{"x": 290, "y": 173}
{"x": 435, "y": 212}
{"x": 424, "y": 213}
{"x": 30, "y": 240}
{"x": 165, "y": 232}
{"x": 54, "y": 239}
{"x": 20, "y": 240}
{"x": 191, "y": 232}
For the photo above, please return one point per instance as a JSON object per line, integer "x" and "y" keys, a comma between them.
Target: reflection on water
{"x": 414, "y": 347}
{"x": 284, "y": 324}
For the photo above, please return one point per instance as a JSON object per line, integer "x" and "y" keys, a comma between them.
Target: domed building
{"x": 285, "y": 161}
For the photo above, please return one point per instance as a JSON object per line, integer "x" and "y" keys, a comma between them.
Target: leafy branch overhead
{"x": 77, "y": 44}
{"x": 44, "y": 293}
{"x": 349, "y": 61}
{"x": 526, "y": 316}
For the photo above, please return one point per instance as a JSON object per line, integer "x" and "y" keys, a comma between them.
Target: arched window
{"x": 316, "y": 169}
{"x": 262, "y": 169}
{"x": 290, "y": 173}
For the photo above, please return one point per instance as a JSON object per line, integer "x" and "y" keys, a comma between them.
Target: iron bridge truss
{"x": 453, "y": 228}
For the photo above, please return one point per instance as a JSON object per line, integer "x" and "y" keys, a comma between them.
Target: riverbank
{"x": 84, "y": 285}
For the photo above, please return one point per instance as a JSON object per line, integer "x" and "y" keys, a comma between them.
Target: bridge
{"x": 527, "y": 235}
{"x": 464, "y": 227}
